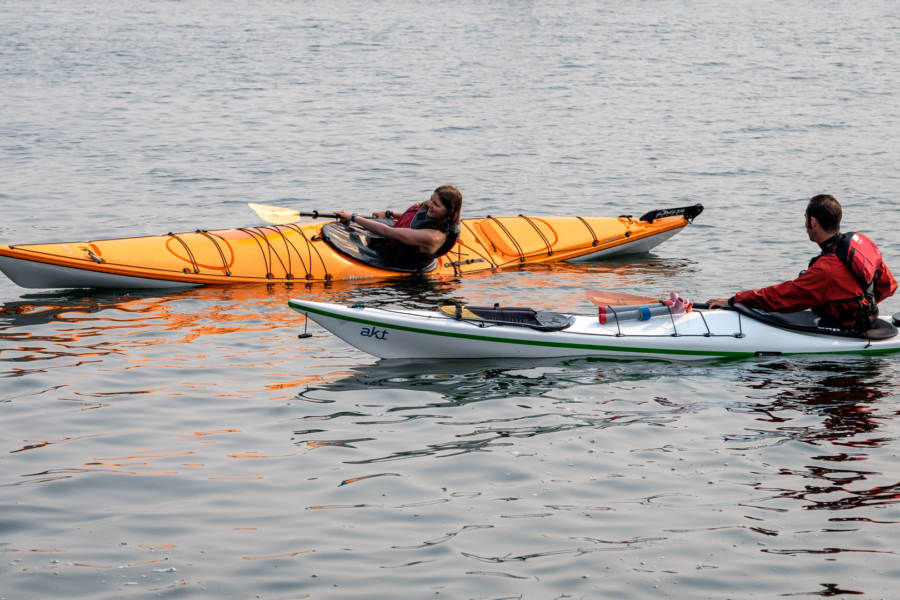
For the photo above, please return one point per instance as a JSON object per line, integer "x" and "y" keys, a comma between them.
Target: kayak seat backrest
{"x": 511, "y": 315}
{"x": 807, "y": 321}
{"x": 363, "y": 246}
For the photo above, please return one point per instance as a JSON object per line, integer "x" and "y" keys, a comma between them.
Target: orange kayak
{"x": 317, "y": 251}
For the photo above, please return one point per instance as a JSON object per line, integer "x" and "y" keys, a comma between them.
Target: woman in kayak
{"x": 422, "y": 233}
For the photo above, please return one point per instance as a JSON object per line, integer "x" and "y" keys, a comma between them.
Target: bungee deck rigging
{"x": 465, "y": 314}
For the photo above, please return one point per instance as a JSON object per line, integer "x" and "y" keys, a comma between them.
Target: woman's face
{"x": 436, "y": 208}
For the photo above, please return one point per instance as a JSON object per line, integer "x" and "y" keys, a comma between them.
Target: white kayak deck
{"x": 389, "y": 333}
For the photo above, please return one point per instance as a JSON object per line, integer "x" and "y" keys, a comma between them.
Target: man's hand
{"x": 717, "y": 302}
{"x": 343, "y": 215}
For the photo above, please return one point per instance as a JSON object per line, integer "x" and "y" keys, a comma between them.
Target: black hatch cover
{"x": 510, "y": 315}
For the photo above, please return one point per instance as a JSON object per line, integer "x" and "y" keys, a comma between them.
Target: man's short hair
{"x": 827, "y": 212}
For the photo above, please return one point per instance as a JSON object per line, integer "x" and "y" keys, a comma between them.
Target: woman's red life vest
{"x": 414, "y": 217}
{"x": 408, "y": 215}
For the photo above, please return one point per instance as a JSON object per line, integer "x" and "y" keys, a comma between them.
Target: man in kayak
{"x": 422, "y": 233}
{"x": 843, "y": 284}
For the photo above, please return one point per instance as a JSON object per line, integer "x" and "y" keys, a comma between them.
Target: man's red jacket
{"x": 828, "y": 287}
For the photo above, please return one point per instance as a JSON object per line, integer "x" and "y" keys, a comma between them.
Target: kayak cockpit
{"x": 366, "y": 247}
{"x": 509, "y": 315}
{"x": 807, "y": 321}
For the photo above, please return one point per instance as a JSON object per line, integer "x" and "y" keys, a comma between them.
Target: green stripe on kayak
{"x": 500, "y": 340}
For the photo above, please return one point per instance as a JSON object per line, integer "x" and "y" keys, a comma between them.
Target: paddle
{"x": 603, "y": 298}
{"x": 285, "y": 216}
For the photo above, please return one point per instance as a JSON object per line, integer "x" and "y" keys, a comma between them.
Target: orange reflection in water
{"x": 258, "y": 456}
{"x": 202, "y": 433}
{"x": 159, "y": 455}
{"x": 72, "y": 470}
{"x": 105, "y": 464}
{"x": 91, "y": 321}
{"x": 290, "y": 555}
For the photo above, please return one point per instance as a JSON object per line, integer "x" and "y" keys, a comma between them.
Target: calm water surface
{"x": 186, "y": 444}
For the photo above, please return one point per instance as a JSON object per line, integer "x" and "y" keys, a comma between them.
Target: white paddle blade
{"x": 275, "y": 214}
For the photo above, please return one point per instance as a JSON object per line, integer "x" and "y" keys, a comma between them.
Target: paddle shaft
{"x": 316, "y": 214}
{"x": 607, "y": 298}
{"x": 620, "y": 310}
{"x": 284, "y": 216}
{"x": 611, "y": 299}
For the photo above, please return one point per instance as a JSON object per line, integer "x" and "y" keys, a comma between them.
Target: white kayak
{"x": 697, "y": 335}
